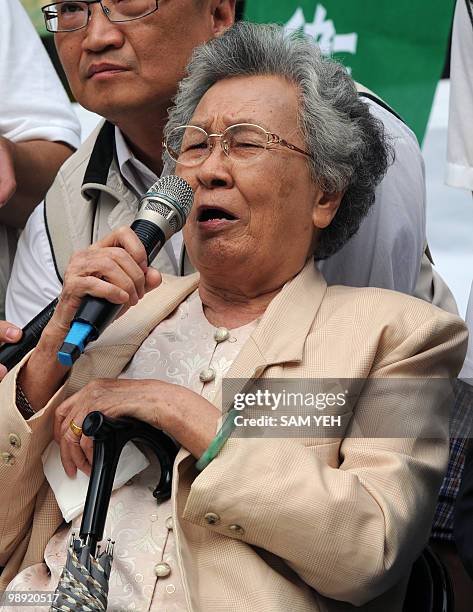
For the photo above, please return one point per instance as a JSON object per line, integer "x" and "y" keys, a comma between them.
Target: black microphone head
{"x": 167, "y": 203}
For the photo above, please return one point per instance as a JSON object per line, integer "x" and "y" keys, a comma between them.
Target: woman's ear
{"x": 325, "y": 208}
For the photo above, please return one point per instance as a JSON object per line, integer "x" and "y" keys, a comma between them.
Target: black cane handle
{"x": 110, "y": 436}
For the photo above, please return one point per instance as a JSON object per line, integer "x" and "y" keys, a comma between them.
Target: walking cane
{"x": 83, "y": 585}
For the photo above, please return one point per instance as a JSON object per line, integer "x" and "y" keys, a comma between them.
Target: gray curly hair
{"x": 349, "y": 149}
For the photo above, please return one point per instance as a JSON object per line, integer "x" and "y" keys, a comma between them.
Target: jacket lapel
{"x": 279, "y": 338}
{"x": 280, "y": 335}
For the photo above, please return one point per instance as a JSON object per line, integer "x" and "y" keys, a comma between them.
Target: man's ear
{"x": 223, "y": 15}
{"x": 326, "y": 207}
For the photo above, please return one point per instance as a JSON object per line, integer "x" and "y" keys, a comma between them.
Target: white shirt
{"x": 460, "y": 132}
{"x": 33, "y": 103}
{"x": 386, "y": 252}
{"x": 460, "y": 120}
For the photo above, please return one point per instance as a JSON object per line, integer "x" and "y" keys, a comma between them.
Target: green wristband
{"x": 217, "y": 443}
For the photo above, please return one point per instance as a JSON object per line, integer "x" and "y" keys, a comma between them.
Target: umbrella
{"x": 83, "y": 585}
{"x": 84, "y": 580}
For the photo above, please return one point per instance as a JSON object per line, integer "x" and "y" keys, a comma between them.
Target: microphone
{"x": 12, "y": 354}
{"x": 162, "y": 212}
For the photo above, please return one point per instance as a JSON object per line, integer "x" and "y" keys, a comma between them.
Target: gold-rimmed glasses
{"x": 190, "y": 145}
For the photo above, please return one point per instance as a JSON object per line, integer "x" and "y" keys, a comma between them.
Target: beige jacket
{"x": 323, "y": 521}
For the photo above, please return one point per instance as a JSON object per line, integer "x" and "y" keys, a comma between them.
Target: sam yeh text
{"x": 283, "y": 420}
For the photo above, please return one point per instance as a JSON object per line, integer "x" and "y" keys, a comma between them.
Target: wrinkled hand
{"x": 114, "y": 268}
{"x": 8, "y": 333}
{"x": 183, "y": 414}
{"x": 7, "y": 171}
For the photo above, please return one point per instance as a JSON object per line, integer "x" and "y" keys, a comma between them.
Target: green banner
{"x": 33, "y": 8}
{"x": 395, "y": 48}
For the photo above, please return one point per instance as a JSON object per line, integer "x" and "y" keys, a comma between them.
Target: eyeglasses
{"x": 70, "y": 16}
{"x": 190, "y": 145}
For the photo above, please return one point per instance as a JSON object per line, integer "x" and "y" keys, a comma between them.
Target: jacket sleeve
{"x": 21, "y": 470}
{"x": 351, "y": 530}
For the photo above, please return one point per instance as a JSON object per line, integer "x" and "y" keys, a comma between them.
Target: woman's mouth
{"x": 210, "y": 217}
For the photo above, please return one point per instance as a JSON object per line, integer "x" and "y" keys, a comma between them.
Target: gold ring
{"x": 76, "y": 430}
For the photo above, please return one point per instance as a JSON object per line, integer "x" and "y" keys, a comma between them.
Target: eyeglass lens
{"x": 190, "y": 145}
{"x": 68, "y": 16}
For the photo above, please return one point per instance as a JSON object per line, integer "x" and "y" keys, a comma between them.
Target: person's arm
{"x": 27, "y": 170}
{"x": 38, "y": 127}
{"x": 350, "y": 533}
{"x": 8, "y": 333}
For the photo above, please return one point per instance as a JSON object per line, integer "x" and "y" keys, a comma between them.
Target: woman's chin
{"x": 217, "y": 256}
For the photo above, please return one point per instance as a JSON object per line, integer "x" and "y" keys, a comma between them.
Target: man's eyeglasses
{"x": 69, "y": 16}
{"x": 190, "y": 145}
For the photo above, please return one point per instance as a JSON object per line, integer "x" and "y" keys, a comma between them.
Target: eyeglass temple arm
{"x": 110, "y": 436}
{"x": 275, "y": 139}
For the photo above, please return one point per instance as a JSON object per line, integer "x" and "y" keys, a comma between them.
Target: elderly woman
{"x": 283, "y": 158}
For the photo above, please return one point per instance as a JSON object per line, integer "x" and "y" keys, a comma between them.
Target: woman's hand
{"x": 114, "y": 268}
{"x": 8, "y": 333}
{"x": 183, "y": 414}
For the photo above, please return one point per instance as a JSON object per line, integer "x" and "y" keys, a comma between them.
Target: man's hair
{"x": 349, "y": 149}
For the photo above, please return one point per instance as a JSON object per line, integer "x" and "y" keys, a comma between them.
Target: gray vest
{"x": 89, "y": 199}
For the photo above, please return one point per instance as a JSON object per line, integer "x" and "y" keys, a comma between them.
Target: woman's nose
{"x": 216, "y": 169}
